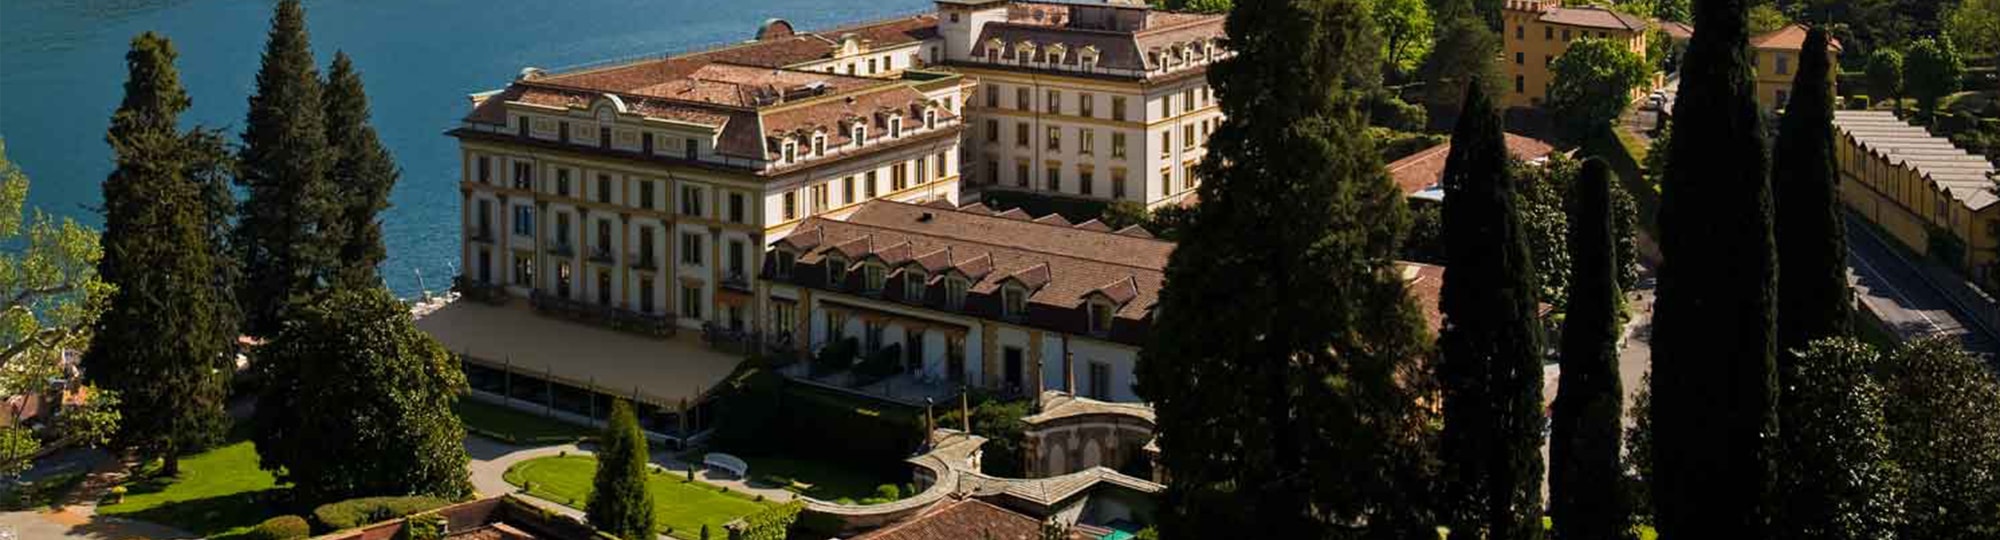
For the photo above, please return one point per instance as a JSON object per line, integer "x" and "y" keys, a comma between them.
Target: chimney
{"x": 925, "y": 217}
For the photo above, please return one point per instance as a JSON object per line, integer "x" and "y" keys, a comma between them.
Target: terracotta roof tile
{"x": 1094, "y": 225}
{"x": 1135, "y": 231}
{"x": 1424, "y": 169}
{"x": 1054, "y": 219}
{"x": 1426, "y": 286}
{"x": 1592, "y": 17}
{"x": 1791, "y": 38}
{"x": 1015, "y": 213}
{"x": 964, "y": 519}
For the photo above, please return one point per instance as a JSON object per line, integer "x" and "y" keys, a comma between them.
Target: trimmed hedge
{"x": 353, "y": 513}
{"x": 280, "y": 528}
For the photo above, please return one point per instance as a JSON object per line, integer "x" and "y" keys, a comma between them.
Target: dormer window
{"x": 836, "y": 272}
{"x": 873, "y": 277}
{"x": 783, "y": 265}
{"x": 895, "y": 127}
{"x": 913, "y": 285}
{"x": 819, "y": 144}
{"x": 1056, "y": 53}
{"x": 1088, "y": 57}
{"x": 930, "y": 119}
{"x": 791, "y": 151}
{"x": 1013, "y": 301}
{"x": 993, "y": 48}
{"x": 860, "y": 134}
{"x": 1100, "y": 317}
{"x": 1024, "y": 52}
{"x": 954, "y": 292}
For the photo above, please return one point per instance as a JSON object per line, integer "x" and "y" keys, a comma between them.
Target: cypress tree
{"x": 619, "y": 502}
{"x": 363, "y": 171}
{"x": 1813, "y": 296}
{"x": 358, "y": 403}
{"x": 1587, "y": 497}
{"x": 1490, "y": 350}
{"x": 1284, "y": 361}
{"x": 288, "y": 232}
{"x": 160, "y": 342}
{"x": 1714, "y": 378}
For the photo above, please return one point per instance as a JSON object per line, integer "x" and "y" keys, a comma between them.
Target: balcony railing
{"x": 481, "y": 234}
{"x": 475, "y": 290}
{"x": 561, "y": 250}
{"x": 602, "y": 256}
{"x": 606, "y": 316}
{"x": 736, "y": 279}
{"x": 644, "y": 261}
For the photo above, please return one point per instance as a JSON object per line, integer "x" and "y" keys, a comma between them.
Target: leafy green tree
{"x": 1593, "y": 83}
{"x": 1543, "y": 191}
{"x": 289, "y": 232}
{"x": 1673, "y": 10}
{"x": 1765, "y": 18}
{"x": 162, "y": 342}
{"x": 1974, "y": 27}
{"x": 363, "y": 171}
{"x": 18, "y": 447}
{"x": 94, "y": 422}
{"x": 1885, "y": 75}
{"x": 1194, "y": 6}
{"x": 358, "y": 403}
{"x": 49, "y": 280}
{"x": 1284, "y": 364}
{"x": 1838, "y": 480}
{"x": 620, "y": 504}
{"x": 1000, "y": 423}
{"x": 1813, "y": 296}
{"x": 1714, "y": 378}
{"x": 1490, "y": 361}
{"x": 1464, "y": 50}
{"x": 1943, "y": 410}
{"x": 1931, "y": 71}
{"x": 1586, "y": 491}
{"x": 1407, "y": 30}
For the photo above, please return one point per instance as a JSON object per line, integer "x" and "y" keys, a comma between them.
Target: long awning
{"x": 660, "y": 371}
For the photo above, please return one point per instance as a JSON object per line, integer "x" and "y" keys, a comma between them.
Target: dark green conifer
{"x": 1714, "y": 379}
{"x": 619, "y": 502}
{"x": 160, "y": 342}
{"x": 364, "y": 172}
{"x": 1491, "y": 348}
{"x": 289, "y": 232}
{"x": 1587, "y": 496}
{"x": 1813, "y": 297}
{"x": 1284, "y": 361}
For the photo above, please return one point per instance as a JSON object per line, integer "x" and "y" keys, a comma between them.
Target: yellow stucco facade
{"x": 1537, "y": 32}
{"x": 1775, "y": 58}
{"x": 1914, "y": 186}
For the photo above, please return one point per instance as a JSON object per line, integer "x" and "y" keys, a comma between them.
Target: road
{"x": 1890, "y": 286}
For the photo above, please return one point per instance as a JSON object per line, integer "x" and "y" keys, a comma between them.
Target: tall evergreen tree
{"x": 1714, "y": 378}
{"x": 1491, "y": 348}
{"x": 1586, "y": 476}
{"x": 363, "y": 171}
{"x": 288, "y": 234}
{"x": 1813, "y": 298}
{"x": 1285, "y": 360}
{"x": 619, "y": 501}
{"x": 162, "y": 341}
{"x": 1463, "y": 52}
{"x": 358, "y": 403}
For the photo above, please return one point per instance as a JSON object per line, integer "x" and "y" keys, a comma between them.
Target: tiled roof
{"x": 1677, "y": 30}
{"x": 1592, "y": 17}
{"x": 1966, "y": 177}
{"x": 1426, "y": 285}
{"x": 1424, "y": 169}
{"x": 964, "y": 519}
{"x": 1116, "y": 49}
{"x": 1060, "y": 265}
{"x": 1790, "y": 38}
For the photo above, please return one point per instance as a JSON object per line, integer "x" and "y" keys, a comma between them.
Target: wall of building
{"x": 1087, "y": 121}
{"x": 1531, "y": 46}
{"x": 1910, "y": 208}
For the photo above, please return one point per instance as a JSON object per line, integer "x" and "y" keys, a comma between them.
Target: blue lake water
{"x": 62, "y": 69}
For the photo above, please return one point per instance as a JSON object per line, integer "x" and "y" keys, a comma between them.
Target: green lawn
{"x": 520, "y": 426}
{"x": 818, "y": 479}
{"x": 219, "y": 493}
{"x": 679, "y": 507}
{"x": 46, "y": 492}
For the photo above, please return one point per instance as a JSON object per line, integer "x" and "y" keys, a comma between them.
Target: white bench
{"x": 726, "y": 462}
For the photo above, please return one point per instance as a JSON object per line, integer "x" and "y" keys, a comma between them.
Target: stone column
{"x": 619, "y": 266}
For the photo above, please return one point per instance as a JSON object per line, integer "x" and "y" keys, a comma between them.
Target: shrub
{"x": 353, "y": 513}
{"x": 281, "y": 528}
{"x": 888, "y": 492}
{"x": 837, "y": 356}
{"x": 429, "y": 527}
{"x": 883, "y": 362}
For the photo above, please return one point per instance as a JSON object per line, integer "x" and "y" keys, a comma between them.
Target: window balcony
{"x": 480, "y": 234}
{"x": 602, "y": 255}
{"x": 644, "y": 261}
{"x": 562, "y": 250}
{"x": 736, "y": 279}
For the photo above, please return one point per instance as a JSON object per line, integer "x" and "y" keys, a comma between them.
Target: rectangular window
{"x": 646, "y": 195}
{"x": 1166, "y": 106}
{"x": 1055, "y": 177}
{"x": 691, "y": 148}
{"x": 1784, "y": 65}
{"x": 524, "y": 220}
{"x": 1021, "y": 174}
{"x": 992, "y": 130}
{"x": 1187, "y": 100}
{"x": 1086, "y": 141}
{"x": 1118, "y": 108}
{"x": 922, "y": 167}
{"x": 1014, "y": 302}
{"x": 1166, "y": 181}
{"x": 819, "y": 199}
{"x": 1100, "y": 381}
{"x": 939, "y": 164}
{"x": 992, "y": 172}
{"x": 1548, "y": 33}
{"x": 954, "y": 293}
{"x": 899, "y": 177}
{"x": 1023, "y": 100}
{"x": 1166, "y": 143}
{"x": 1118, "y": 183}
{"x": 1084, "y": 180}
{"x": 1054, "y": 103}
{"x": 1520, "y": 58}
{"x": 1054, "y": 139}
{"x": 847, "y": 190}
{"x": 691, "y": 248}
{"x": 645, "y": 295}
{"x": 1520, "y": 32}
{"x": 524, "y": 175}
{"x": 691, "y": 301}
{"x": 524, "y": 270}
{"x": 485, "y": 170}
{"x": 868, "y": 185}
{"x": 1566, "y": 34}
{"x": 1086, "y": 105}
{"x": 1118, "y": 144}
{"x": 646, "y": 145}
{"x": 913, "y": 286}
{"x": 1520, "y": 84}
{"x": 992, "y": 97}
{"x": 1187, "y": 136}
{"x": 736, "y": 207}
{"x": 690, "y": 201}
{"x": 562, "y": 182}
{"x": 604, "y": 188}
{"x": 1021, "y": 134}
{"x": 791, "y": 205}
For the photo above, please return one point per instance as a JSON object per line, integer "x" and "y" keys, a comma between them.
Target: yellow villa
{"x": 1775, "y": 56}
{"x": 1915, "y": 186}
{"x": 1538, "y": 31}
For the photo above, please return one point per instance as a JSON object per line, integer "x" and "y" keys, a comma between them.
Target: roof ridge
{"x": 989, "y": 245}
{"x": 1029, "y": 220}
